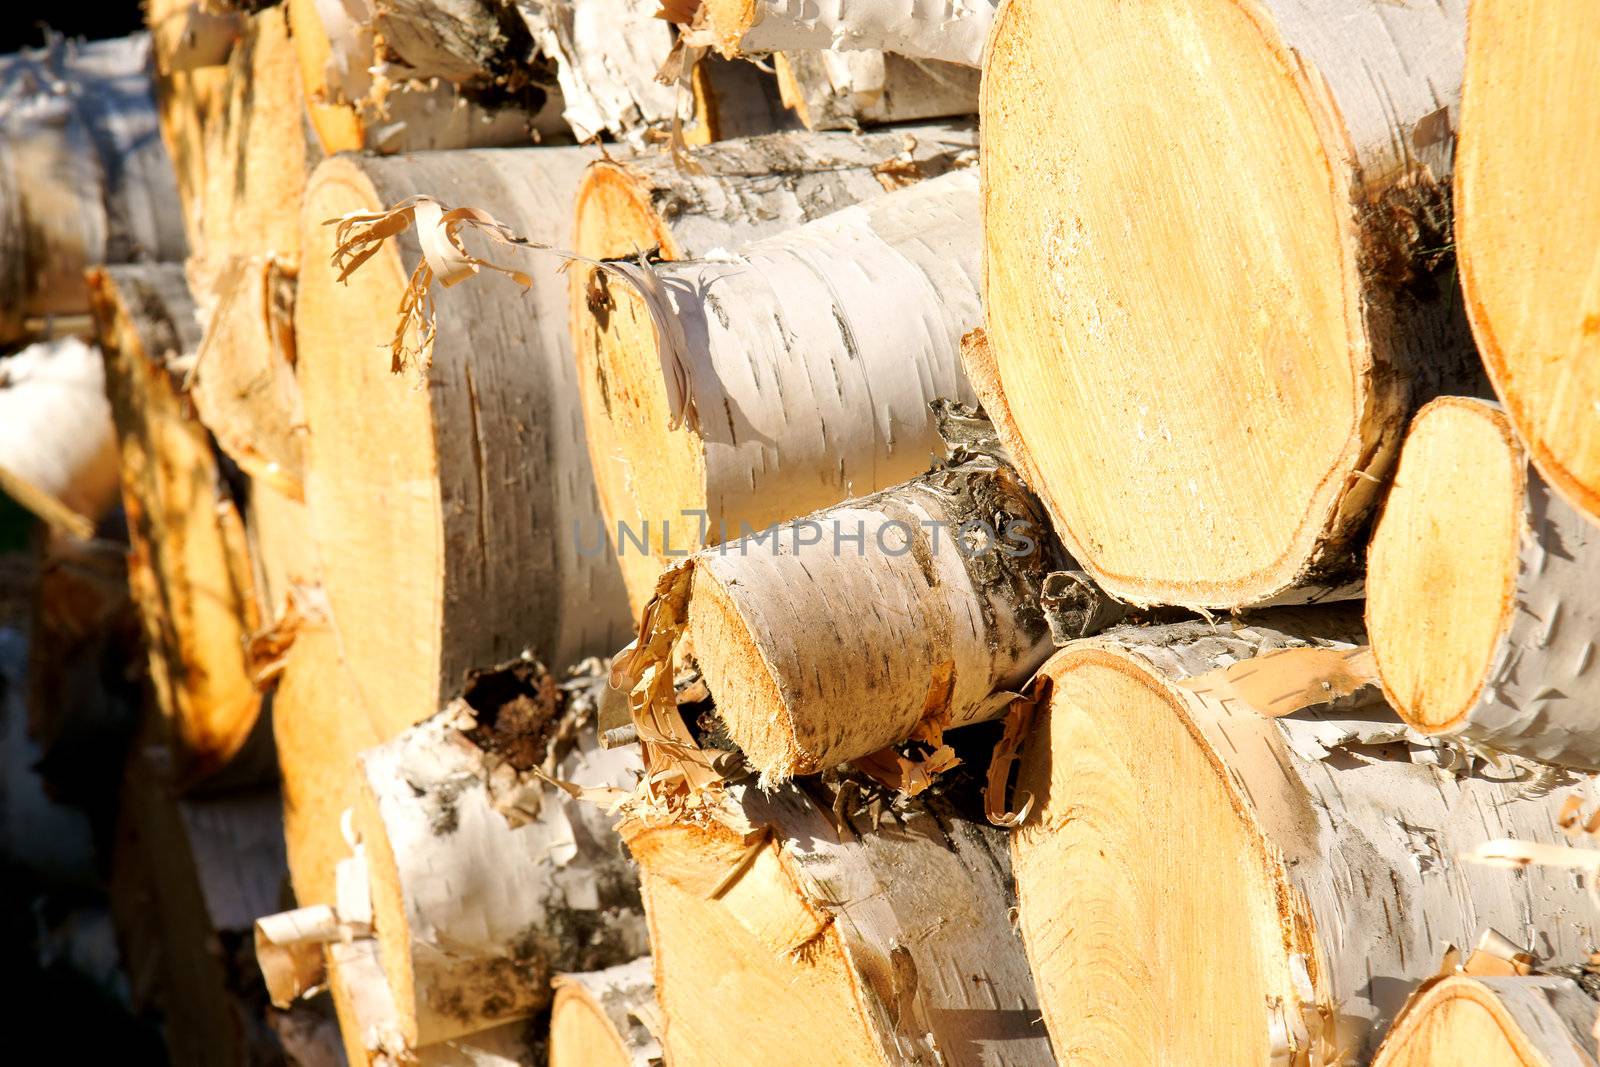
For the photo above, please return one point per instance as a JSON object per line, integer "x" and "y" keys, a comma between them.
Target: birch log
{"x": 838, "y": 635}
{"x": 607, "y": 54}
{"x": 1175, "y": 767}
{"x": 744, "y": 191}
{"x": 83, "y": 177}
{"x": 1480, "y": 585}
{"x": 1250, "y": 315}
{"x": 888, "y": 947}
{"x": 446, "y": 516}
{"x": 367, "y": 1021}
{"x": 362, "y": 94}
{"x": 849, "y": 90}
{"x": 191, "y": 46}
{"x": 605, "y": 1018}
{"x": 1527, "y": 224}
{"x": 58, "y": 447}
{"x": 258, "y": 153}
{"x": 189, "y": 877}
{"x": 949, "y": 30}
{"x": 809, "y": 361}
{"x": 486, "y": 880}
{"x": 320, "y": 728}
{"x": 189, "y": 565}
{"x": 243, "y": 384}
{"x": 1534, "y": 1021}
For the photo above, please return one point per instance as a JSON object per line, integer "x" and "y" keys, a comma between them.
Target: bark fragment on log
{"x": 447, "y": 517}
{"x": 886, "y": 947}
{"x": 487, "y": 878}
{"x": 942, "y": 577}
{"x": 58, "y": 447}
{"x": 1534, "y": 1021}
{"x": 1162, "y": 780}
{"x": 83, "y": 177}
{"x": 606, "y": 1018}
{"x": 1527, "y": 223}
{"x": 1478, "y": 592}
{"x": 952, "y": 30}
{"x": 243, "y": 385}
{"x": 189, "y": 877}
{"x": 189, "y": 563}
{"x": 362, "y": 94}
{"x": 1256, "y": 397}
{"x": 808, "y": 363}
{"x": 848, "y": 90}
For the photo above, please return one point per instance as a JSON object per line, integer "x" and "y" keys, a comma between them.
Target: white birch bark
{"x": 607, "y": 54}
{"x": 912, "y": 921}
{"x": 848, "y": 90}
{"x": 1361, "y": 849}
{"x": 1539, "y": 1019}
{"x": 843, "y": 633}
{"x": 950, "y": 30}
{"x": 1540, "y": 683}
{"x": 485, "y": 882}
{"x": 58, "y": 447}
{"x": 623, "y": 998}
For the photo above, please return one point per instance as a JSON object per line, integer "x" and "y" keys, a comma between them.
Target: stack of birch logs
{"x": 708, "y": 532}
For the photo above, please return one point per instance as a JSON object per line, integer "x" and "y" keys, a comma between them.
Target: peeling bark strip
{"x": 1536, "y": 1021}
{"x": 486, "y": 877}
{"x": 950, "y": 30}
{"x": 807, "y": 364}
{"x": 84, "y": 179}
{"x": 1257, "y": 396}
{"x": 1481, "y": 582}
{"x": 1332, "y": 833}
{"x": 58, "y": 448}
{"x": 443, "y": 514}
{"x": 1527, "y": 255}
{"x": 606, "y": 1018}
{"x": 189, "y": 564}
{"x": 886, "y": 947}
{"x": 899, "y": 615}
{"x": 739, "y": 191}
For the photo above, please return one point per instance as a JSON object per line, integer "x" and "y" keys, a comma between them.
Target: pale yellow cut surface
{"x": 581, "y": 1035}
{"x": 1156, "y": 928}
{"x": 1442, "y": 569}
{"x": 1528, "y": 225}
{"x": 1458, "y": 1023}
{"x": 1167, "y": 269}
{"x": 372, "y": 480}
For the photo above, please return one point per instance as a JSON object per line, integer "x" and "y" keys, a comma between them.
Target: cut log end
{"x": 1234, "y": 399}
{"x": 372, "y": 480}
{"x": 604, "y": 1018}
{"x": 1527, "y": 223}
{"x": 1444, "y": 561}
{"x": 1515, "y": 1022}
{"x": 1088, "y": 840}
